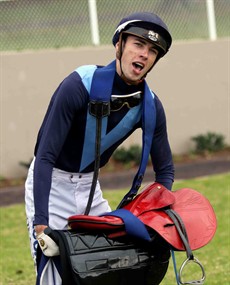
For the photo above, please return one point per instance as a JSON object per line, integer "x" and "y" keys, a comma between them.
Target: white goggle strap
{"x": 122, "y": 26}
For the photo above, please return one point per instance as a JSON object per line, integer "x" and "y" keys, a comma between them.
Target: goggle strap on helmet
{"x": 122, "y": 26}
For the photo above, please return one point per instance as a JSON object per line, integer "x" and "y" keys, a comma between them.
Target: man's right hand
{"x": 47, "y": 245}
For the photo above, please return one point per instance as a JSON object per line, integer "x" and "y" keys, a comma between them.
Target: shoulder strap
{"x": 102, "y": 83}
{"x": 149, "y": 123}
{"x": 99, "y": 107}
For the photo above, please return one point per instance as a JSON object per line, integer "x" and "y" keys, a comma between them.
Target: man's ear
{"x": 117, "y": 46}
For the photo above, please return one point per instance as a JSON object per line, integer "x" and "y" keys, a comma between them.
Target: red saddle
{"x": 149, "y": 206}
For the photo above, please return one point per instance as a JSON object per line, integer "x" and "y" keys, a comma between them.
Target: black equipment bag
{"x": 93, "y": 258}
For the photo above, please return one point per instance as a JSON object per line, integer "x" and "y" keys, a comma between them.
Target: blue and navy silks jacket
{"x": 65, "y": 143}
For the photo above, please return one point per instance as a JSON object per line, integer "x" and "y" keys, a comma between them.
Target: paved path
{"x": 15, "y": 195}
{"x": 182, "y": 171}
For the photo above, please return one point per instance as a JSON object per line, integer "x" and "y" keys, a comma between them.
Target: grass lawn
{"x": 16, "y": 266}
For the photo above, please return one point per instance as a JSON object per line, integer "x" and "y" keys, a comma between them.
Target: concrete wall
{"x": 192, "y": 82}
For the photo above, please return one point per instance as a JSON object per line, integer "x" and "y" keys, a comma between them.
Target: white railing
{"x": 211, "y": 19}
{"x": 94, "y": 22}
{"x": 95, "y": 27}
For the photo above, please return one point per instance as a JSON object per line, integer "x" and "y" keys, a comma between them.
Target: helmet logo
{"x": 153, "y": 36}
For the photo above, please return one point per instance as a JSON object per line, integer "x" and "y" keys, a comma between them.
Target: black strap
{"x": 181, "y": 231}
{"x": 99, "y": 110}
{"x": 190, "y": 257}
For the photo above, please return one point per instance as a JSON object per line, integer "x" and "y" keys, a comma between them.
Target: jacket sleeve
{"x": 66, "y": 101}
{"x": 161, "y": 155}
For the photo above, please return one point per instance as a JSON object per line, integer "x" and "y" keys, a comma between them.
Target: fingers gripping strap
{"x": 134, "y": 227}
{"x": 47, "y": 245}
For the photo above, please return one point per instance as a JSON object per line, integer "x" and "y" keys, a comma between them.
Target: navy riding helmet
{"x": 148, "y": 26}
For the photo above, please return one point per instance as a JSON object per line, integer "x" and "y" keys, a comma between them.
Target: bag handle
{"x": 60, "y": 239}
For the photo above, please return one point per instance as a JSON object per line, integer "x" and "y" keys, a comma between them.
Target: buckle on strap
{"x": 99, "y": 109}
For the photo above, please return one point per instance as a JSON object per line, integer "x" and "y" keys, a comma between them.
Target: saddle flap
{"x": 196, "y": 213}
{"x": 198, "y": 216}
{"x": 154, "y": 197}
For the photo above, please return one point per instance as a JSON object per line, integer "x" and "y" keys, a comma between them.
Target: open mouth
{"x": 137, "y": 65}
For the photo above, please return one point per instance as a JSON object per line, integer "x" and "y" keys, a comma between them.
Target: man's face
{"x": 138, "y": 56}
